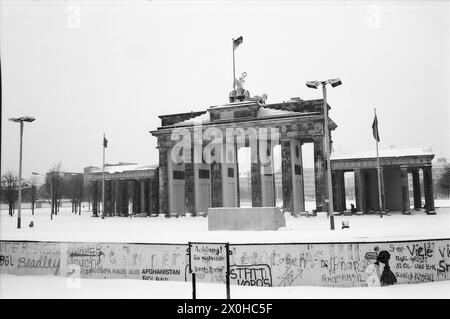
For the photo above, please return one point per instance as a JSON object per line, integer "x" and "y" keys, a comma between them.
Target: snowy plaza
{"x": 67, "y": 226}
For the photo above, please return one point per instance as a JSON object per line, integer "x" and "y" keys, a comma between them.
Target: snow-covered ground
{"x": 69, "y": 227}
{"x": 57, "y": 287}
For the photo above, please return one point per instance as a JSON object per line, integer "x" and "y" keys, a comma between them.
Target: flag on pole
{"x": 237, "y": 41}
{"x": 105, "y": 142}
{"x": 376, "y": 136}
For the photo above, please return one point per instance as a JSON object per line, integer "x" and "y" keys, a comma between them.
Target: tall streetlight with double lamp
{"x": 315, "y": 85}
{"x": 51, "y": 192}
{"x": 20, "y": 120}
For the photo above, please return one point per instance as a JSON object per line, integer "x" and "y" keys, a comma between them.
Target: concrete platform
{"x": 245, "y": 218}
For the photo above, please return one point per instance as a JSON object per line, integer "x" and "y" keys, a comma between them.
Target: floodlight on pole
{"x": 335, "y": 82}
{"x": 314, "y": 85}
{"x": 20, "y": 120}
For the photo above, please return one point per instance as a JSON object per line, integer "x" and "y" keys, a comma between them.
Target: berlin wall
{"x": 290, "y": 264}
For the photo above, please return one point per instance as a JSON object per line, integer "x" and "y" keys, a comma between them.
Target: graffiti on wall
{"x": 327, "y": 264}
{"x": 251, "y": 275}
{"x": 305, "y": 264}
{"x": 29, "y": 258}
{"x": 134, "y": 261}
{"x": 420, "y": 261}
{"x": 344, "y": 264}
{"x": 94, "y": 260}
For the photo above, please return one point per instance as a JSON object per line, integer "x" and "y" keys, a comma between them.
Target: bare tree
{"x": 44, "y": 190}
{"x": 54, "y": 185}
{"x": 10, "y": 183}
{"x": 75, "y": 188}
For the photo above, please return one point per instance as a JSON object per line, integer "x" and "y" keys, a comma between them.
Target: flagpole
{"x": 103, "y": 178}
{"x": 378, "y": 170}
{"x": 234, "y": 74}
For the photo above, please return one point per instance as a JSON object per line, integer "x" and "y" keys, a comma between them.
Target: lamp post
{"x": 314, "y": 85}
{"x": 21, "y": 120}
{"x": 51, "y": 193}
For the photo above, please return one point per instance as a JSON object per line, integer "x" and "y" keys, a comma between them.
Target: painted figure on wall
{"x": 373, "y": 278}
{"x": 387, "y": 276}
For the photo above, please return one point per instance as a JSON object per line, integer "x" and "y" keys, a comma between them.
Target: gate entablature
{"x": 246, "y": 110}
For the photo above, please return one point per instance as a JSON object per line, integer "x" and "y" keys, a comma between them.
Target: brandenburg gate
{"x": 204, "y": 172}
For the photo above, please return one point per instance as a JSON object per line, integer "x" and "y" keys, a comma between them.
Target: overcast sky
{"x": 87, "y": 67}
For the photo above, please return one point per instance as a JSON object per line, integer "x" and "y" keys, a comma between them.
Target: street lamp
{"x": 21, "y": 120}
{"x": 51, "y": 193}
{"x": 314, "y": 85}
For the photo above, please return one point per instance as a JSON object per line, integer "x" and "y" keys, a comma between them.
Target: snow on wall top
{"x": 383, "y": 153}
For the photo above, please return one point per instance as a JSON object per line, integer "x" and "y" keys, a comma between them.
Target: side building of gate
{"x": 130, "y": 189}
{"x": 398, "y": 167}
